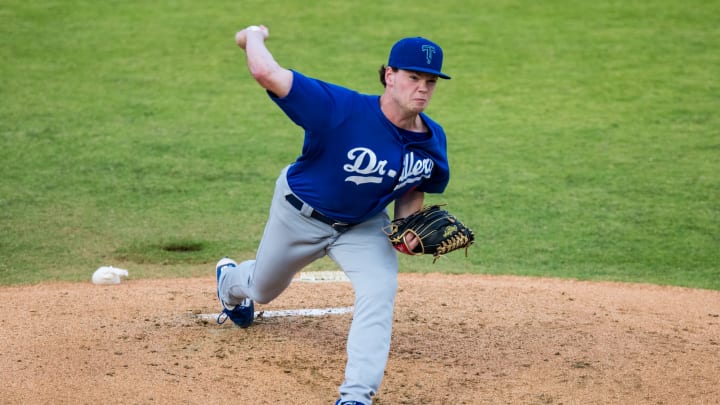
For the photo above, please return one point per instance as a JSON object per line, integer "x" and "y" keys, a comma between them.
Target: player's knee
{"x": 263, "y": 299}
{"x": 265, "y": 296}
{"x": 382, "y": 290}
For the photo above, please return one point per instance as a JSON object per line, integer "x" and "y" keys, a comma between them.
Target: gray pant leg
{"x": 290, "y": 242}
{"x": 367, "y": 257}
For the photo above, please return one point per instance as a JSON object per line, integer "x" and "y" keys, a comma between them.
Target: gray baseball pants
{"x": 291, "y": 241}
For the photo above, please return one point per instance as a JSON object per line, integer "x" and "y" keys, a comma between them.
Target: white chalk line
{"x": 290, "y": 312}
{"x": 309, "y": 277}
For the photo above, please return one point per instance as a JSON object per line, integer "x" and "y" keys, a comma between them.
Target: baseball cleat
{"x": 241, "y": 315}
{"x": 348, "y": 403}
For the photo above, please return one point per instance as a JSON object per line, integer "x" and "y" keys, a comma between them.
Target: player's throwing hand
{"x": 241, "y": 36}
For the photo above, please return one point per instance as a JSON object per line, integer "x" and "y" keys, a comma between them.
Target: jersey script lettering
{"x": 367, "y": 168}
{"x": 414, "y": 170}
{"x": 365, "y": 162}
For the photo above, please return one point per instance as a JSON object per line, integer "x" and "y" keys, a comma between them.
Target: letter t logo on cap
{"x": 429, "y": 51}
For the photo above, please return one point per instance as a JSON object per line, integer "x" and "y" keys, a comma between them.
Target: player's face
{"x": 412, "y": 90}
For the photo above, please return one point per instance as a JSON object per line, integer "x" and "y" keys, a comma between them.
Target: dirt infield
{"x": 456, "y": 340}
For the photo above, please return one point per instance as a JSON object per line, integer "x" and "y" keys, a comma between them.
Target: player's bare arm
{"x": 410, "y": 202}
{"x": 262, "y": 65}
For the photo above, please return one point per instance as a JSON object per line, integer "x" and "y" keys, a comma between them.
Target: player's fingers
{"x": 241, "y": 36}
{"x": 265, "y": 31}
{"x": 411, "y": 241}
{"x": 240, "y": 39}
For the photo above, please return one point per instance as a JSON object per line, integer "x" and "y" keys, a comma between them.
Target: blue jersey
{"x": 354, "y": 161}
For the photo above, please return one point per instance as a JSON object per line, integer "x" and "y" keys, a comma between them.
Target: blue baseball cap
{"x": 417, "y": 54}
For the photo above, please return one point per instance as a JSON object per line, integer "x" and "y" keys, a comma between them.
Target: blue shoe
{"x": 348, "y": 402}
{"x": 242, "y": 315}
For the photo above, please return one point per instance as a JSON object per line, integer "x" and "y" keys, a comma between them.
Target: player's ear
{"x": 389, "y": 75}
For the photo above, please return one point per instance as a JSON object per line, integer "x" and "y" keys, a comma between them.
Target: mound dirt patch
{"x": 456, "y": 340}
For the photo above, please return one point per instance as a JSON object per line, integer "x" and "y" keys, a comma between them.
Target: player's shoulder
{"x": 434, "y": 126}
{"x": 332, "y": 86}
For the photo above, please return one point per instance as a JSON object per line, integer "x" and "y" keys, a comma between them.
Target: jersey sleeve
{"x": 440, "y": 177}
{"x": 313, "y": 104}
{"x": 437, "y": 183}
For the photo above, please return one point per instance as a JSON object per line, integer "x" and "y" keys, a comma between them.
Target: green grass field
{"x": 584, "y": 137}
